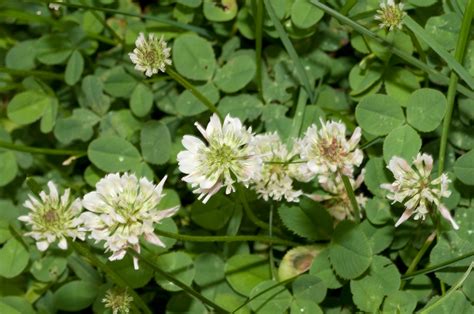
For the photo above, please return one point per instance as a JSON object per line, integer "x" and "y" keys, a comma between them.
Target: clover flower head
{"x": 337, "y": 200}
{"x": 326, "y": 150}
{"x": 118, "y": 300}
{"x": 414, "y": 188}
{"x": 150, "y": 56}
{"x": 277, "y": 173}
{"x": 55, "y": 6}
{"x": 121, "y": 210}
{"x": 390, "y": 15}
{"x": 53, "y": 218}
{"x": 226, "y": 158}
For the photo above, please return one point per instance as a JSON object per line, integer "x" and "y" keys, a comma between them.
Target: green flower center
{"x": 392, "y": 15}
{"x": 222, "y": 155}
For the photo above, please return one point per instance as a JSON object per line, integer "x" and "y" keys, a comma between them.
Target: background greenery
{"x": 73, "y": 108}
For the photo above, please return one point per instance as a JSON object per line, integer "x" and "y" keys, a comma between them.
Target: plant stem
{"x": 43, "y": 74}
{"x": 105, "y": 25}
{"x": 453, "y": 82}
{"x": 298, "y": 118}
{"x": 418, "y": 256}
{"x": 451, "y": 61}
{"x": 182, "y": 26}
{"x": 270, "y": 247}
{"x": 177, "y": 282}
{"x": 451, "y": 291}
{"x": 115, "y": 277}
{"x": 400, "y": 53}
{"x": 238, "y": 238}
{"x": 351, "y": 195}
{"x": 281, "y": 283}
{"x": 248, "y": 211}
{"x": 436, "y": 267}
{"x": 258, "y": 46}
{"x": 186, "y": 84}
{"x": 373, "y": 141}
{"x": 39, "y": 150}
{"x": 348, "y": 6}
{"x": 290, "y": 49}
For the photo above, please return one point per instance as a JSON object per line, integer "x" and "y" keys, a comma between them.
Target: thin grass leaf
{"x": 400, "y": 53}
{"x": 299, "y": 115}
{"x": 453, "y": 82}
{"x": 290, "y": 49}
{"x": 427, "y": 309}
{"x": 258, "y": 45}
{"x": 439, "y": 49}
{"x": 163, "y": 20}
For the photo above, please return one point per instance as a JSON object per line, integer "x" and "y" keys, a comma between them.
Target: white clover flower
{"x": 414, "y": 188}
{"x": 277, "y": 175}
{"x": 150, "y": 56}
{"x": 390, "y": 15}
{"x": 337, "y": 201}
{"x": 53, "y": 218}
{"x": 225, "y": 160}
{"x": 118, "y": 300}
{"x": 326, "y": 150}
{"x": 121, "y": 210}
{"x": 55, "y": 6}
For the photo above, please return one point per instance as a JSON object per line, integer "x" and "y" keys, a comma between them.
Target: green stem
{"x": 182, "y": 26}
{"x": 281, "y": 283}
{"x": 436, "y": 267}
{"x": 437, "y": 47}
{"x": 419, "y": 255}
{"x": 186, "y": 84}
{"x": 290, "y": 49}
{"x": 83, "y": 250}
{"x": 348, "y": 6}
{"x": 106, "y": 25}
{"x": 43, "y": 74}
{"x": 451, "y": 291}
{"x": 265, "y": 239}
{"x": 298, "y": 118}
{"x": 253, "y": 218}
{"x": 400, "y": 53}
{"x": 453, "y": 81}
{"x": 270, "y": 247}
{"x": 258, "y": 46}
{"x": 373, "y": 141}
{"x": 177, "y": 282}
{"x": 351, "y": 195}
{"x": 38, "y": 150}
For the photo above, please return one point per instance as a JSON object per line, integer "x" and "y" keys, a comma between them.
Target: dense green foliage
{"x": 73, "y": 109}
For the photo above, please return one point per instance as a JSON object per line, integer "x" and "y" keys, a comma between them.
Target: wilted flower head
{"x": 390, "y": 15}
{"x": 121, "y": 210}
{"x": 53, "y": 218}
{"x": 276, "y": 178}
{"x": 416, "y": 190}
{"x": 225, "y": 160}
{"x": 337, "y": 201}
{"x": 150, "y": 56}
{"x": 326, "y": 150}
{"x": 118, "y": 300}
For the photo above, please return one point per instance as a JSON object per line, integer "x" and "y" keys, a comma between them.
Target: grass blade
{"x": 459, "y": 56}
{"x": 290, "y": 49}
{"x": 258, "y": 45}
{"x": 299, "y": 115}
{"x": 439, "y": 49}
{"x": 400, "y": 53}
{"x": 430, "y": 307}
